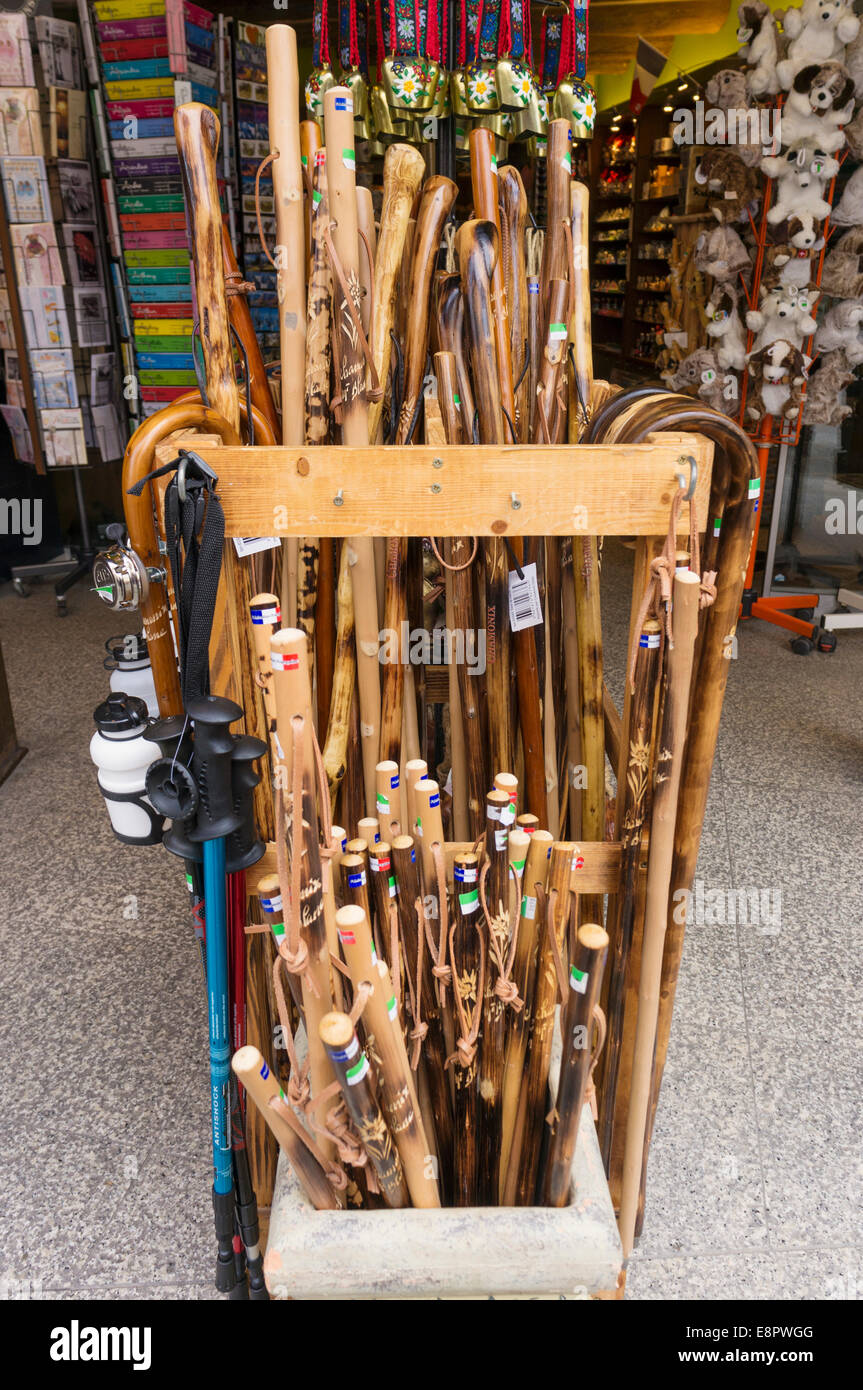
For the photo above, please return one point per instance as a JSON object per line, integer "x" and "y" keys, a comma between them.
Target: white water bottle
{"x": 122, "y": 756}
{"x": 131, "y": 673}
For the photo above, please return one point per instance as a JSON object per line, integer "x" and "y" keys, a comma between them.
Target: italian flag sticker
{"x": 469, "y": 902}
{"x": 528, "y": 908}
{"x": 383, "y": 805}
{"x": 717, "y": 525}
{"x": 356, "y": 1073}
{"x": 754, "y": 487}
{"x": 567, "y": 163}
{"x": 456, "y": 400}
{"x": 578, "y": 980}
{"x": 349, "y": 159}
{"x": 517, "y": 866}
{"x": 316, "y": 197}
{"x": 556, "y": 332}
{"x": 494, "y": 164}
{"x": 392, "y": 1009}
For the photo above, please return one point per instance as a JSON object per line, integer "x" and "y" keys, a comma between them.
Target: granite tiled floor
{"x": 755, "y": 1174}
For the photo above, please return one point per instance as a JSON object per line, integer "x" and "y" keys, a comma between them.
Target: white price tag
{"x": 525, "y": 609}
{"x": 250, "y": 545}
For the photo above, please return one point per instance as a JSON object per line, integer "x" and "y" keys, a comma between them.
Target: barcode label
{"x": 525, "y": 609}
{"x": 250, "y": 545}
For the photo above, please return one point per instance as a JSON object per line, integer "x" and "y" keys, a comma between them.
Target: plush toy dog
{"x": 725, "y": 328}
{"x": 731, "y": 186}
{"x": 819, "y": 31}
{"x": 843, "y": 267}
{"x": 777, "y": 372}
{"x": 802, "y": 174}
{"x": 822, "y": 405}
{"x": 840, "y": 330}
{"x": 849, "y": 210}
{"x": 700, "y": 375}
{"x": 820, "y": 100}
{"x": 757, "y": 29}
{"x": 727, "y": 91}
{"x": 721, "y": 254}
{"x": 783, "y": 312}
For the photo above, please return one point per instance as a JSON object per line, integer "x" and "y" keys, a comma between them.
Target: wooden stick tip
{"x": 336, "y": 1030}
{"x": 687, "y": 577}
{"x": 387, "y": 766}
{"x": 350, "y": 916}
{"x": 287, "y": 636}
{"x": 263, "y": 600}
{"x": 245, "y": 1060}
{"x": 592, "y": 936}
{"x": 266, "y": 885}
{"x": 403, "y": 842}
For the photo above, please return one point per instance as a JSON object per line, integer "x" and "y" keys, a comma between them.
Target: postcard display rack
{"x": 253, "y": 145}
{"x": 145, "y": 57}
{"x": 56, "y": 329}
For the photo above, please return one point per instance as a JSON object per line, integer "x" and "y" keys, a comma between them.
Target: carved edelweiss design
{"x": 372, "y": 1051}
{"x": 663, "y": 771}
{"x": 349, "y": 328}
{"x": 636, "y": 779}
{"x": 467, "y": 986}
{"x": 375, "y": 1135}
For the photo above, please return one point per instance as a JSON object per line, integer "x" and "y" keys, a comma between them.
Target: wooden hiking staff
{"x": 669, "y": 766}
{"x": 557, "y": 914}
{"x": 513, "y": 220}
{"x": 241, "y": 321}
{"x": 351, "y": 1066}
{"x": 388, "y": 799}
{"x": 585, "y": 979}
{"x": 310, "y": 143}
{"x": 344, "y": 674}
{"x": 466, "y": 957}
{"x": 580, "y": 335}
{"x": 262, "y": 1087}
{"x": 317, "y": 607}
{"x": 484, "y": 186}
{"x": 494, "y": 899}
{"x": 554, "y": 251}
{"x": 633, "y": 815}
{"x": 404, "y": 168}
{"x": 451, "y": 336}
{"x": 385, "y": 1043}
{"x": 283, "y": 94}
{"x": 524, "y": 978}
{"x": 352, "y": 407}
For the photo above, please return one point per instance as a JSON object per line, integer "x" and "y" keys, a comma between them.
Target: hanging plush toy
{"x": 849, "y": 210}
{"x": 731, "y": 187}
{"x": 725, "y": 327}
{"x": 823, "y": 405}
{"x": 700, "y": 375}
{"x": 784, "y": 311}
{"x": 840, "y": 329}
{"x": 777, "y": 372}
{"x": 853, "y": 61}
{"x": 789, "y": 260}
{"x": 721, "y": 254}
{"x": 820, "y": 100}
{"x": 802, "y": 174}
{"x": 819, "y": 31}
{"x": 843, "y": 267}
{"x": 727, "y": 92}
{"x": 757, "y": 30}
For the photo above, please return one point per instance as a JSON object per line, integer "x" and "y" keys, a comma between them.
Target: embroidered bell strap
{"x": 349, "y": 46}
{"x": 320, "y": 35}
{"x": 434, "y": 28}
{"x": 489, "y": 25}
{"x": 579, "y": 41}
{"x": 404, "y": 28}
{"x": 552, "y": 38}
{"x": 519, "y": 28}
{"x": 380, "y": 45}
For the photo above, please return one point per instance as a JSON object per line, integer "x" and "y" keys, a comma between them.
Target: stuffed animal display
{"x": 842, "y": 276}
{"x": 721, "y": 254}
{"x": 732, "y": 187}
{"x": 725, "y": 328}
{"x": 756, "y": 28}
{"x": 777, "y": 373}
{"x": 784, "y": 311}
{"x": 700, "y": 375}
{"x": 786, "y": 262}
{"x": 849, "y": 210}
{"x": 819, "y": 31}
{"x": 727, "y": 91}
{"x": 820, "y": 100}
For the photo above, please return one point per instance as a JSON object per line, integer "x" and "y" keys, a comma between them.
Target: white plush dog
{"x": 802, "y": 174}
{"x": 783, "y": 312}
{"x": 819, "y": 31}
{"x": 821, "y": 99}
{"x": 840, "y": 329}
{"x": 777, "y": 372}
{"x": 757, "y": 30}
{"x": 725, "y": 328}
{"x": 849, "y": 210}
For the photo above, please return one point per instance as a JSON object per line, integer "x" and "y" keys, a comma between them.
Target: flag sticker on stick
{"x": 578, "y": 980}
{"x": 356, "y": 1073}
{"x": 469, "y": 902}
{"x": 349, "y": 159}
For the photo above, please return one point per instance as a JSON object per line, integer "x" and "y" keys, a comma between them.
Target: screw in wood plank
{"x": 515, "y": 501}
{"x": 338, "y": 500}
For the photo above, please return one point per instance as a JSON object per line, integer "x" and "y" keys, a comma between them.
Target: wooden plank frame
{"x": 599, "y": 490}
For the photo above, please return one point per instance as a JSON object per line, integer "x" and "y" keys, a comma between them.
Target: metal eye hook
{"x": 689, "y": 492}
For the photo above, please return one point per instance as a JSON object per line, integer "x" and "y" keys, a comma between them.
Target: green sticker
{"x": 578, "y": 980}
{"x": 469, "y": 902}
{"x": 349, "y": 159}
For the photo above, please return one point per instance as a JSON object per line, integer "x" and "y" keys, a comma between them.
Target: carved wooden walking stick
{"x": 353, "y": 408}
{"x": 513, "y": 219}
{"x": 465, "y": 956}
{"x": 404, "y": 167}
{"x": 484, "y": 185}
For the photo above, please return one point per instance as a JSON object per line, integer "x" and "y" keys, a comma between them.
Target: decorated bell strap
{"x": 517, "y": 16}
{"x": 573, "y": 58}
{"x": 488, "y": 29}
{"x": 404, "y": 28}
{"x": 380, "y": 43}
{"x": 320, "y": 35}
{"x": 550, "y": 55}
{"x": 353, "y": 35}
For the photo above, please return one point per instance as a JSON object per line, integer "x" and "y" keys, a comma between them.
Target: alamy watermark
{"x": 844, "y": 515}
{"x": 757, "y": 908}
{"x": 21, "y": 517}
{"x": 443, "y": 646}
{"x": 712, "y": 125}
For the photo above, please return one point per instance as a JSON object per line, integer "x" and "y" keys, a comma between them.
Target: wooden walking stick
{"x": 513, "y": 220}
{"x": 404, "y": 168}
{"x": 581, "y": 377}
{"x": 389, "y": 799}
{"x": 524, "y": 978}
{"x": 585, "y": 978}
{"x": 284, "y": 130}
{"x": 382, "y": 891}
{"x": 261, "y": 1085}
{"x": 634, "y": 809}
{"x": 416, "y": 770}
{"x": 344, "y": 680}
{"x": 355, "y": 880}
{"x": 241, "y": 320}
{"x": 466, "y": 959}
{"x": 550, "y": 376}
{"x": 451, "y": 330}
{"x": 366, "y": 228}
{"x": 266, "y": 616}
{"x": 352, "y": 407}
{"x": 448, "y": 396}
{"x": 494, "y": 898}
{"x": 484, "y": 185}
{"x": 438, "y": 196}
{"x": 422, "y": 992}
{"x": 310, "y": 143}
{"x": 669, "y": 765}
{"x": 318, "y": 355}
{"x": 585, "y": 566}
{"x": 559, "y": 904}
{"x": 385, "y": 1045}
{"x": 351, "y": 1066}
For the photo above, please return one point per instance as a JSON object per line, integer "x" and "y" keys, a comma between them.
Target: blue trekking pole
{"x": 216, "y": 819}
